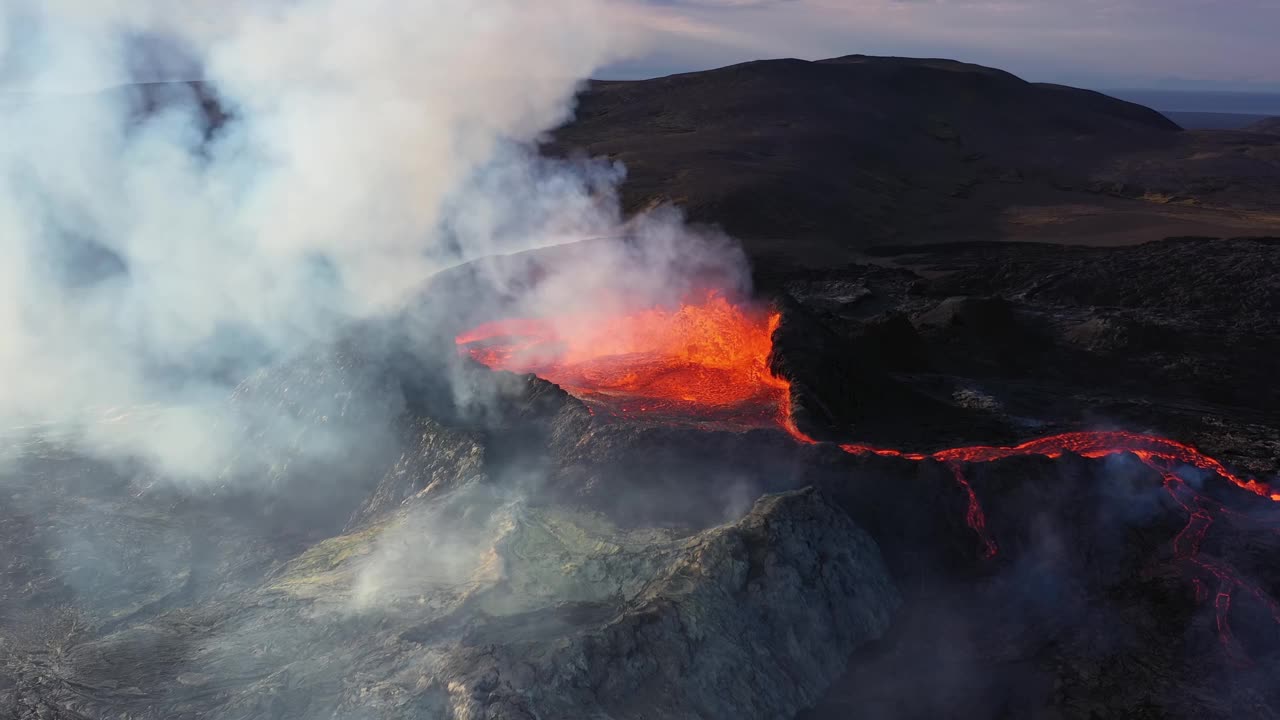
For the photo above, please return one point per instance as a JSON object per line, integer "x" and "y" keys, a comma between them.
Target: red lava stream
{"x": 709, "y": 359}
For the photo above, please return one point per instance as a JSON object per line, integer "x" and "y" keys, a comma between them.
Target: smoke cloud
{"x": 150, "y": 261}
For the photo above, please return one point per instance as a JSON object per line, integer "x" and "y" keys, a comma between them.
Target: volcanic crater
{"x": 929, "y": 478}
{"x": 1199, "y": 519}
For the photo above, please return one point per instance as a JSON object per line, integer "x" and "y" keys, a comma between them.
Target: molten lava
{"x": 709, "y": 360}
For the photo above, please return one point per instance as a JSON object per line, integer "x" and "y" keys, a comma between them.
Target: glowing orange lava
{"x": 708, "y": 360}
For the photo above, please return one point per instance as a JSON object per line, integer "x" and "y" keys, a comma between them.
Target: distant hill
{"x": 858, "y": 151}
{"x": 1269, "y": 125}
{"x": 1206, "y": 109}
{"x": 1212, "y": 120}
{"x": 1203, "y": 101}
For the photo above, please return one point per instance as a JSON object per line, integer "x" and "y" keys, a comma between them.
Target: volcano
{"x": 921, "y": 472}
{"x": 708, "y": 360}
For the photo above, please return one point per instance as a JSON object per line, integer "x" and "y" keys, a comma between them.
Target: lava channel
{"x": 708, "y": 361}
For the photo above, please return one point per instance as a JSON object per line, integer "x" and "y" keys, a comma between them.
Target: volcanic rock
{"x": 506, "y": 611}
{"x": 438, "y": 459}
{"x": 745, "y": 621}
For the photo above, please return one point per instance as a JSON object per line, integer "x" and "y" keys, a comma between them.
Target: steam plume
{"x": 148, "y": 262}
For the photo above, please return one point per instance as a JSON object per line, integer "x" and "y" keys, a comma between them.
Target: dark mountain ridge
{"x": 859, "y": 151}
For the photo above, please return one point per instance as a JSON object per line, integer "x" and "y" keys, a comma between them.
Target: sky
{"x": 1103, "y": 44}
{"x": 1170, "y": 44}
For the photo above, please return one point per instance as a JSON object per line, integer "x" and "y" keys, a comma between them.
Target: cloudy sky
{"x": 1161, "y": 44}
{"x": 1191, "y": 44}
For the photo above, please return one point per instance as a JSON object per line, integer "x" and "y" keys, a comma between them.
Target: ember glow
{"x": 708, "y": 361}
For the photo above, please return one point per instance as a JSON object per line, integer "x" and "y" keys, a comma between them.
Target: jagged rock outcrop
{"x": 474, "y": 605}
{"x": 434, "y": 458}
{"x": 747, "y": 621}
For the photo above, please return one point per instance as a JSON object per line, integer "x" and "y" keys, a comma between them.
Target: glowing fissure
{"x": 1201, "y": 513}
{"x": 708, "y": 360}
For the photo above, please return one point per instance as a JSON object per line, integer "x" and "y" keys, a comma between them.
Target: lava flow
{"x": 709, "y": 361}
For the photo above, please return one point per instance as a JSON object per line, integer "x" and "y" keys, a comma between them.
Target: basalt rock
{"x": 470, "y": 604}
{"x": 745, "y": 621}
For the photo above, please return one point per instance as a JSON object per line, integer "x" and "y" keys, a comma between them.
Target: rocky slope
{"x": 456, "y": 591}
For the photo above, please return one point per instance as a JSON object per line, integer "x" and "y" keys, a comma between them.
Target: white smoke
{"x": 145, "y": 268}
